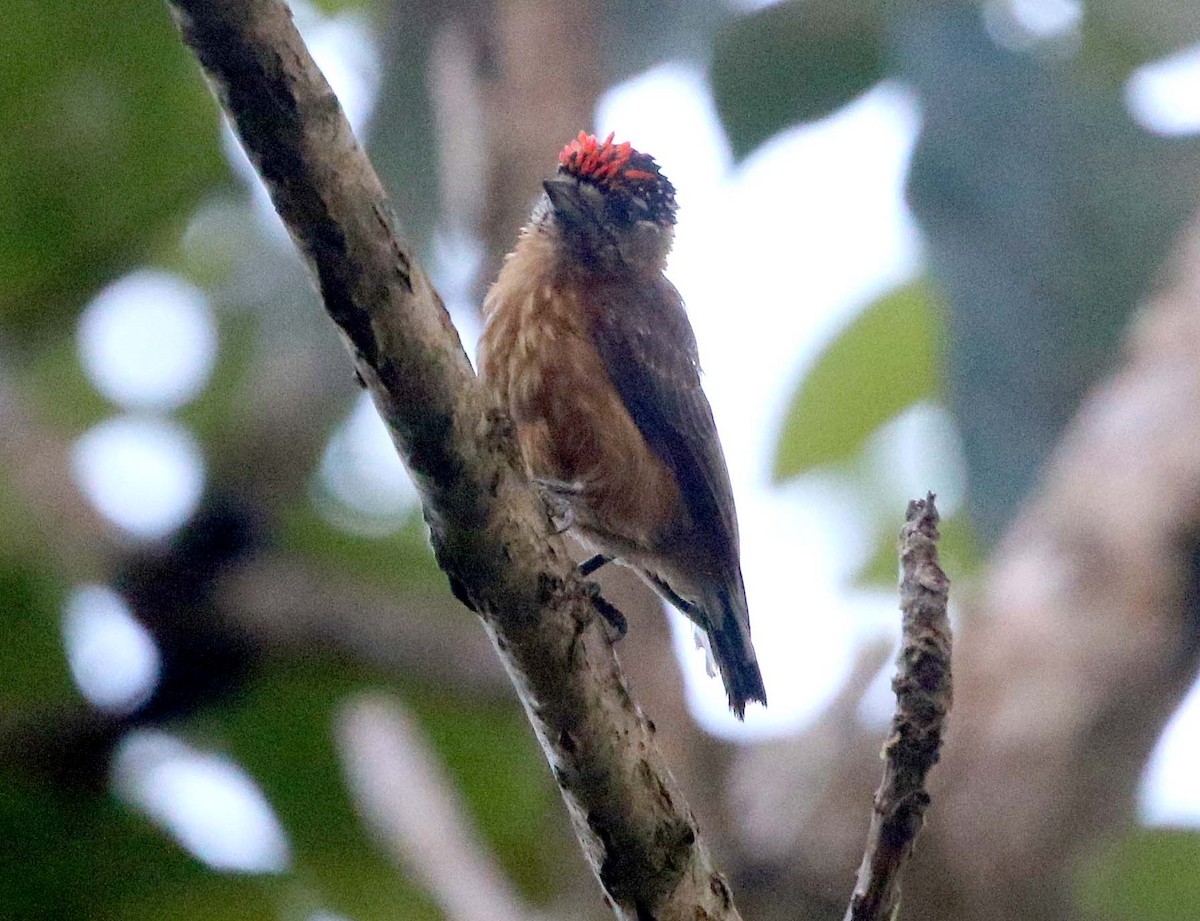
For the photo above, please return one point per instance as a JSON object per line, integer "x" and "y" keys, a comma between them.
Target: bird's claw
{"x": 557, "y": 495}
{"x": 618, "y": 626}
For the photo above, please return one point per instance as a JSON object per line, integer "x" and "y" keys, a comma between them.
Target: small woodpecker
{"x": 589, "y": 348}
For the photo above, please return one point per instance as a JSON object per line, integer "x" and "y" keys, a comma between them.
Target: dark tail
{"x": 729, "y": 636}
{"x": 723, "y": 616}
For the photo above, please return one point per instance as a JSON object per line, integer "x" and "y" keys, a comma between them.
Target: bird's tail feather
{"x": 723, "y": 617}
{"x": 729, "y": 636}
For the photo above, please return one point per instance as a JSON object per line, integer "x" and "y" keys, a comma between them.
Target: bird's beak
{"x": 568, "y": 199}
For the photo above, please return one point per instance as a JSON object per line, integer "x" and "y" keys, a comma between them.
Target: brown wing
{"x": 646, "y": 342}
{"x": 649, "y": 351}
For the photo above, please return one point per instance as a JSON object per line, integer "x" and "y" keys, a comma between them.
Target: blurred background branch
{"x": 401, "y": 791}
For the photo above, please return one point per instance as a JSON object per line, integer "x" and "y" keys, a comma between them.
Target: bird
{"x": 588, "y": 347}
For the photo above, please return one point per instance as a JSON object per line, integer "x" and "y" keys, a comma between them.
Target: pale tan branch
{"x": 405, "y": 798}
{"x": 1086, "y": 638}
{"x": 291, "y": 604}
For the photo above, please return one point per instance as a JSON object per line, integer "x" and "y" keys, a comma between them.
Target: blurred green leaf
{"x": 1119, "y": 35}
{"x": 1149, "y": 876}
{"x": 218, "y": 407}
{"x": 59, "y": 391}
{"x": 205, "y": 896}
{"x": 33, "y": 664}
{"x": 793, "y": 62}
{"x": 958, "y": 552}
{"x": 402, "y": 560}
{"x": 82, "y": 857}
{"x": 337, "y": 6}
{"x": 110, "y": 138}
{"x": 281, "y": 729}
{"x": 885, "y": 360}
{"x": 33, "y": 667}
{"x": 491, "y": 755}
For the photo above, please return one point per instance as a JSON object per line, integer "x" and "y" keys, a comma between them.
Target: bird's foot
{"x": 557, "y": 496}
{"x": 617, "y": 625}
{"x": 589, "y": 566}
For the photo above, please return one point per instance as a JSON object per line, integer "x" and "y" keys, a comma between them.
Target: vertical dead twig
{"x": 923, "y": 696}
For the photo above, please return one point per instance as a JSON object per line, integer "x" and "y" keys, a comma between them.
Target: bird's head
{"x": 612, "y": 206}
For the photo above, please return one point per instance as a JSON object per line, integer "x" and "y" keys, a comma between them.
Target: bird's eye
{"x": 628, "y": 210}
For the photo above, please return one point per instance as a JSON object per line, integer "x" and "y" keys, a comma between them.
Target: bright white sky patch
{"x": 145, "y": 474}
{"x": 1047, "y": 18}
{"x": 770, "y": 258}
{"x": 1170, "y": 794}
{"x": 455, "y": 262}
{"x": 112, "y": 657}
{"x": 344, "y": 47}
{"x": 917, "y": 451}
{"x": 1021, "y": 24}
{"x": 206, "y": 801}
{"x": 148, "y": 340}
{"x": 1164, "y": 97}
{"x": 362, "y": 472}
{"x": 878, "y": 703}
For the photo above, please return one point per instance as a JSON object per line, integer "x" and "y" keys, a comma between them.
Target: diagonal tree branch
{"x": 488, "y": 528}
{"x": 923, "y": 696}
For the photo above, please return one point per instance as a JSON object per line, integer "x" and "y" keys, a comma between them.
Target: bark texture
{"x": 923, "y": 696}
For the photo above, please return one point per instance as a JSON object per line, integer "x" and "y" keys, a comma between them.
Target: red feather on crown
{"x": 604, "y": 162}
